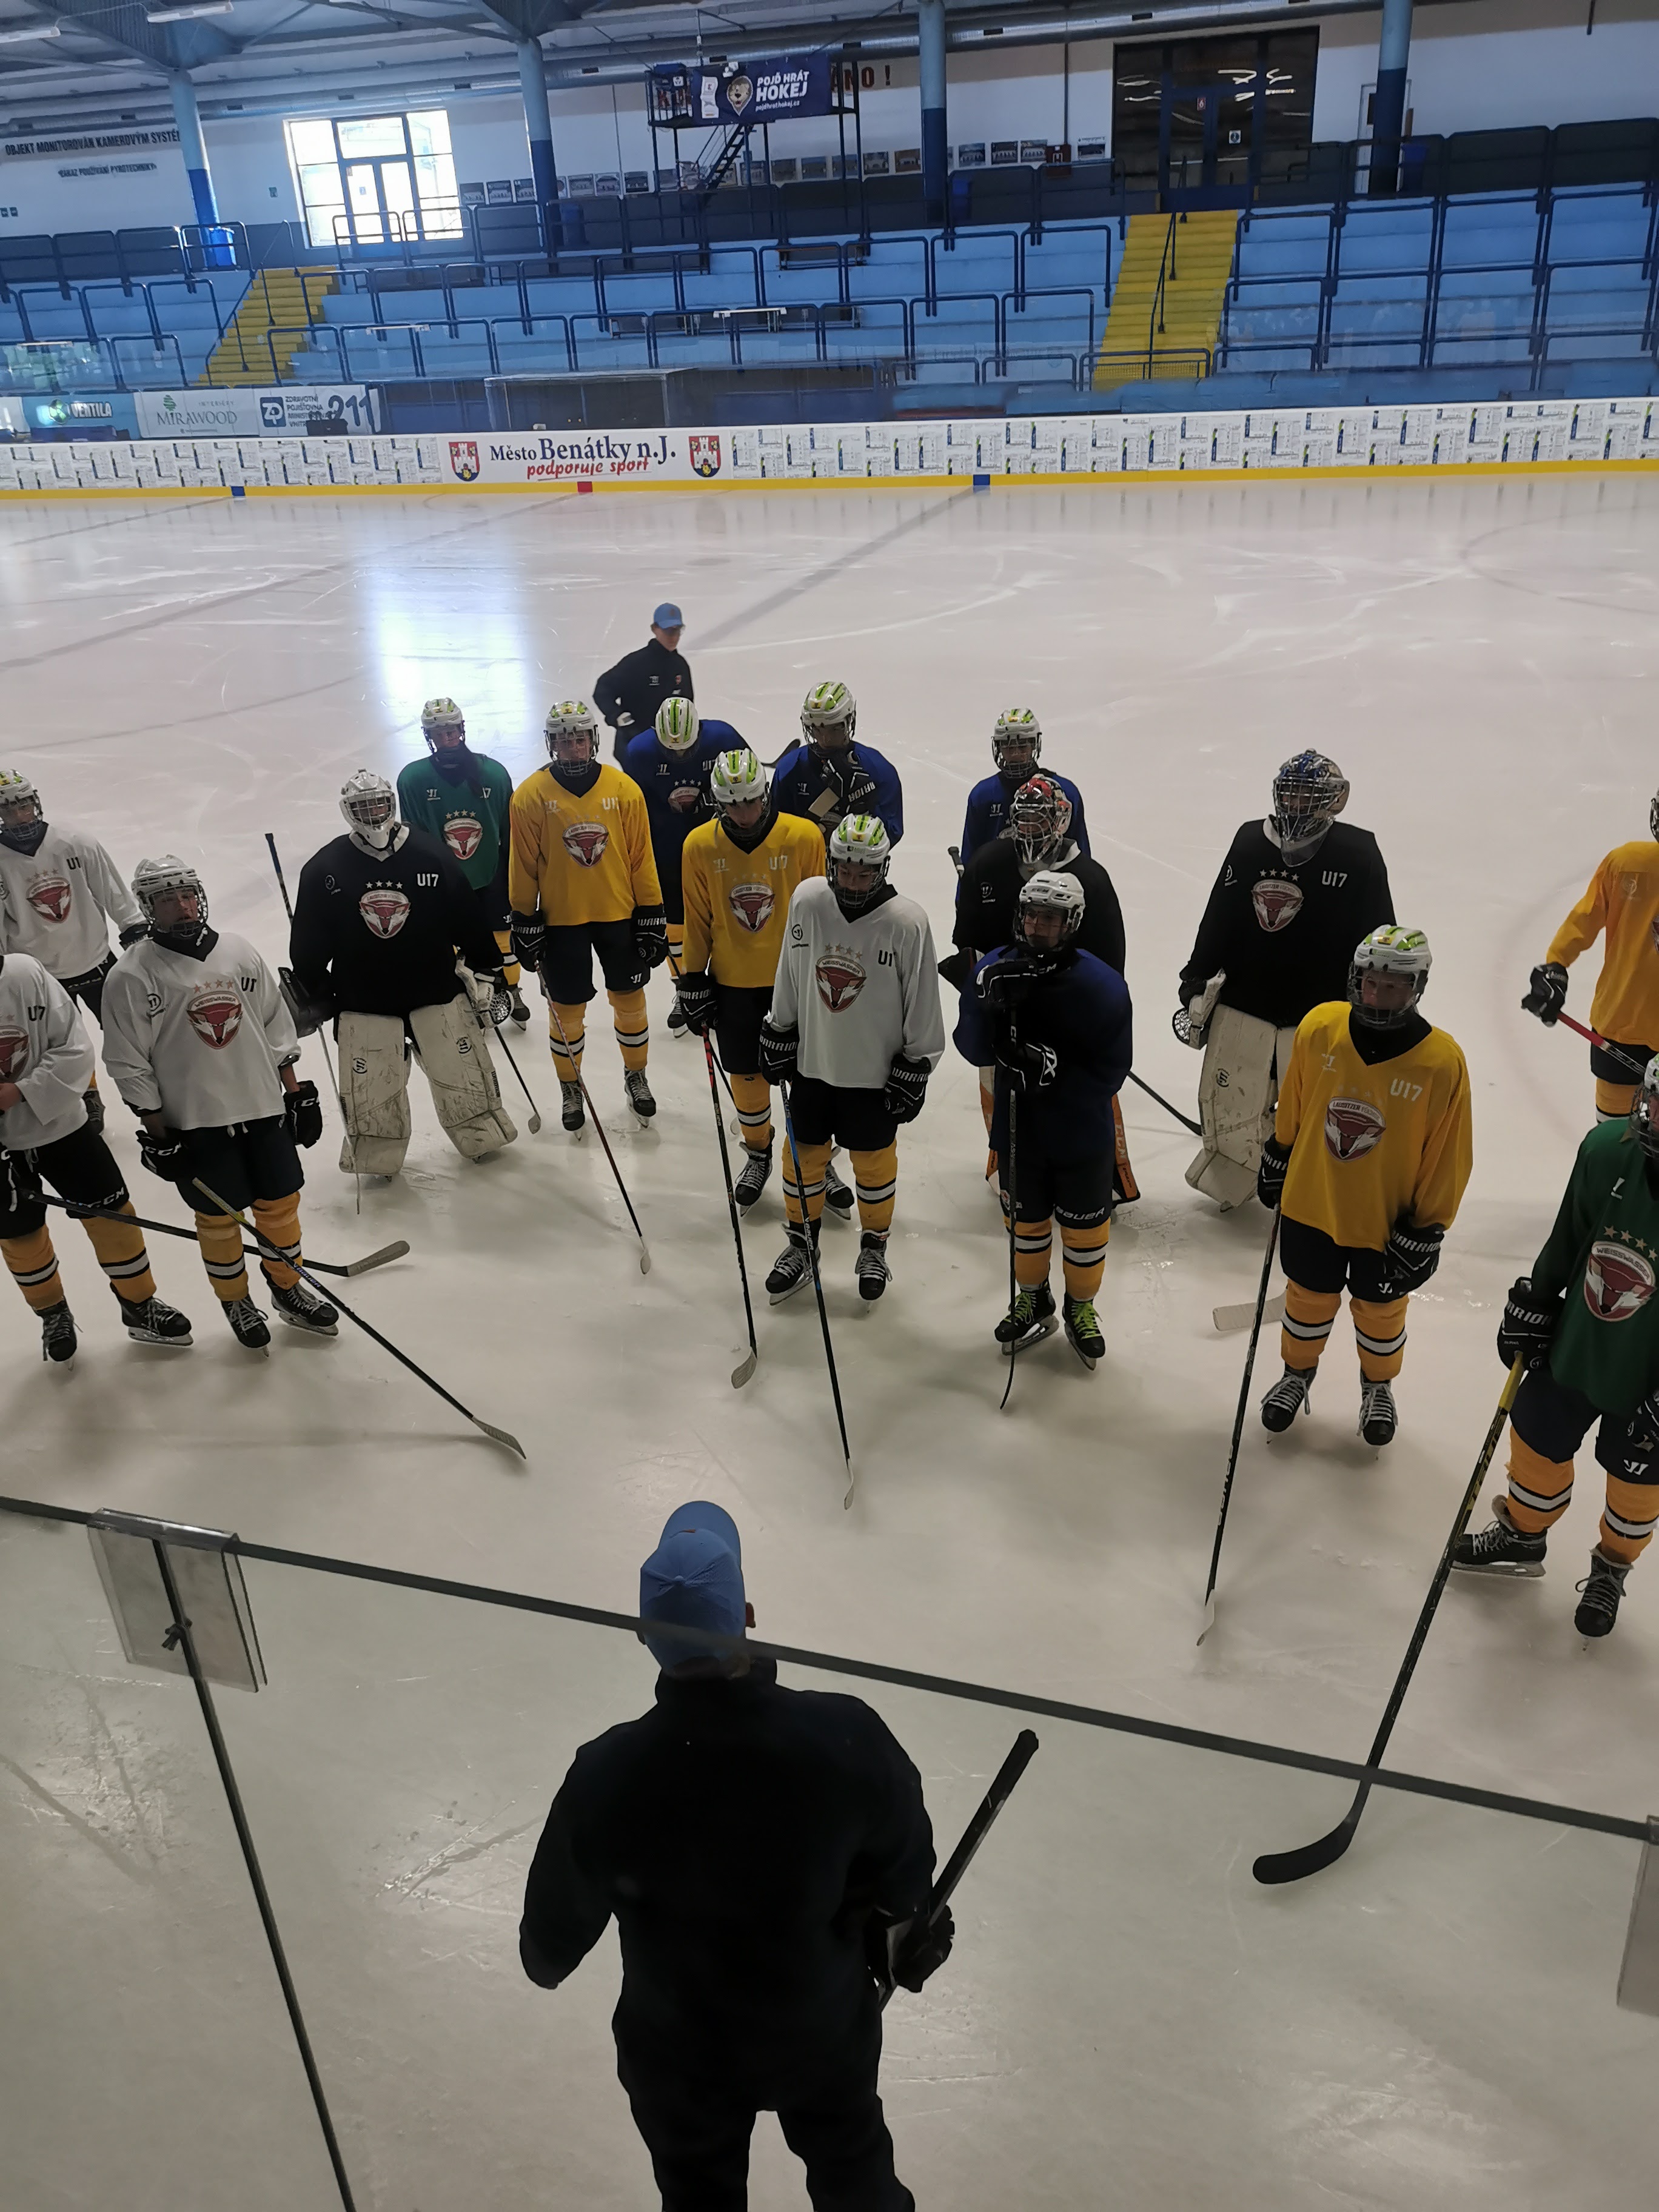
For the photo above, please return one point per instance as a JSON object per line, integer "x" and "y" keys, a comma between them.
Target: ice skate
{"x": 301, "y": 1308}
{"x": 570, "y": 1100}
{"x": 1378, "y": 1417}
{"x": 1501, "y": 1548}
{"x": 248, "y": 1323}
{"x": 58, "y": 1342}
{"x": 639, "y": 1095}
{"x": 518, "y": 1009}
{"x": 837, "y": 1196}
{"x": 756, "y": 1174}
{"x": 1029, "y": 1319}
{"x": 872, "y": 1269}
{"x": 91, "y": 1099}
{"x": 1083, "y": 1331}
{"x": 1600, "y": 1593}
{"x": 678, "y": 1025}
{"x": 793, "y": 1265}
{"x": 1288, "y": 1397}
{"x": 149, "y": 1322}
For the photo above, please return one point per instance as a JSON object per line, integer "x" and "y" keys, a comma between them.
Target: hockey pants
{"x": 1078, "y": 1197}
{"x": 1317, "y": 1270}
{"x": 220, "y": 1236}
{"x": 1549, "y": 1423}
{"x": 1616, "y": 1083}
{"x": 1237, "y": 1092}
{"x": 876, "y": 1177}
{"x": 454, "y": 1058}
{"x": 81, "y": 1168}
{"x": 566, "y": 1026}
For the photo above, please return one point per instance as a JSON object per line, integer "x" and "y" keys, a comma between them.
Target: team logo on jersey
{"x": 752, "y": 903}
{"x": 50, "y": 896}
{"x": 384, "y": 908}
{"x": 14, "y": 1054}
{"x": 1618, "y": 1282}
{"x": 215, "y": 1014}
{"x": 463, "y": 458}
{"x": 840, "y": 976}
{"x": 705, "y": 456}
{"x": 464, "y": 834}
{"x": 586, "y": 842}
{"x": 1277, "y": 904}
{"x": 1352, "y": 1127}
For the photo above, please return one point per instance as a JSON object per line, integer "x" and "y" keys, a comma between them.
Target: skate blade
{"x": 1526, "y": 1570}
{"x": 779, "y": 1298}
{"x": 1088, "y": 1358}
{"x": 163, "y": 1343}
{"x": 306, "y": 1327}
{"x": 1038, "y": 1335}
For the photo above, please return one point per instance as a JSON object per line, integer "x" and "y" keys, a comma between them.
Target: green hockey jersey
{"x": 1603, "y": 1253}
{"x": 469, "y": 817}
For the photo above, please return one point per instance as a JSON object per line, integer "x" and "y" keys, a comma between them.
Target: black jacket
{"x": 988, "y": 896}
{"x": 628, "y": 694}
{"x": 1285, "y": 935}
{"x": 741, "y": 1833}
{"x": 379, "y": 932}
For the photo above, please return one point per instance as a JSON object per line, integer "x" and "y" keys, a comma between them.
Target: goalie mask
{"x": 1046, "y": 899}
{"x": 442, "y": 716}
{"x": 860, "y": 847}
{"x": 1039, "y": 821}
{"x": 677, "y": 725}
{"x": 1309, "y": 793}
{"x": 153, "y": 879}
{"x": 570, "y": 720}
{"x": 1388, "y": 976}
{"x": 829, "y": 716}
{"x": 1644, "y": 1111}
{"x": 370, "y": 807}
{"x": 1016, "y": 743}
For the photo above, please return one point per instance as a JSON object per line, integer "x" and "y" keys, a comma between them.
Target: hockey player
{"x": 59, "y": 891}
{"x": 1294, "y": 892}
{"x": 199, "y": 1043}
{"x": 826, "y": 777}
{"x": 1370, "y": 1151}
{"x": 1016, "y": 747}
{"x": 377, "y": 918}
{"x": 1586, "y": 1322}
{"x": 741, "y": 870}
{"x": 583, "y": 881}
{"x": 1623, "y": 900}
{"x": 855, "y": 1028}
{"x": 670, "y": 764}
{"x": 45, "y": 1057}
{"x": 461, "y": 798}
{"x": 630, "y": 695}
{"x": 1055, "y": 1023}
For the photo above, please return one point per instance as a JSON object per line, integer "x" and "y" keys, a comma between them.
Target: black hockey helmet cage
{"x": 1050, "y": 892}
{"x": 1039, "y": 819}
{"x": 1644, "y": 1111}
{"x": 1309, "y": 793}
{"x": 1392, "y": 951}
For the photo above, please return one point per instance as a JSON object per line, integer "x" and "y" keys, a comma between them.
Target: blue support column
{"x": 1388, "y": 106}
{"x": 538, "y": 129}
{"x": 193, "y": 147}
{"x": 935, "y": 142}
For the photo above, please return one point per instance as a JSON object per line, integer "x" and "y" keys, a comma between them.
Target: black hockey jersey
{"x": 1283, "y": 935}
{"x": 379, "y": 932}
{"x": 988, "y": 896}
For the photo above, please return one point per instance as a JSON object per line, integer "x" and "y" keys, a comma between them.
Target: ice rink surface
{"x": 1129, "y": 2020}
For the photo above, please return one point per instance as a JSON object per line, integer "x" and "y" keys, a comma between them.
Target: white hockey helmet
{"x": 571, "y": 718}
{"x": 1644, "y": 1107}
{"x": 859, "y": 841}
{"x": 737, "y": 777}
{"x": 152, "y": 878}
{"x": 440, "y": 715}
{"x": 18, "y": 791}
{"x": 677, "y": 725}
{"x": 370, "y": 807}
{"x": 1049, "y": 891}
{"x": 1392, "y": 951}
{"x": 1653, "y": 817}
{"x": 1039, "y": 820}
{"x": 829, "y": 710}
{"x": 1017, "y": 740}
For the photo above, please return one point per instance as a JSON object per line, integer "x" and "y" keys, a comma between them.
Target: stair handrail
{"x": 1166, "y": 268}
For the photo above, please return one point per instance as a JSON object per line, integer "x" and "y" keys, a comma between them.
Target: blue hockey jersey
{"x": 826, "y": 788}
{"x": 1082, "y": 1009}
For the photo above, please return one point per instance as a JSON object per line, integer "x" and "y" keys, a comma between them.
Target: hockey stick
{"x": 1186, "y": 1121}
{"x": 817, "y": 1291}
{"x": 1013, "y": 1205}
{"x": 287, "y": 908}
{"x": 570, "y": 1062}
{"x": 955, "y": 851}
{"x": 1001, "y": 1789}
{"x": 268, "y": 1251}
{"x": 741, "y": 1373}
{"x": 1292, "y": 1866}
{"x": 395, "y": 1251}
{"x": 535, "y": 1115}
{"x": 1238, "y": 1427}
{"x": 1229, "y": 1319}
{"x": 1637, "y": 1068}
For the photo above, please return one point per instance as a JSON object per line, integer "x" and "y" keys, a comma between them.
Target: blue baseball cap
{"x": 668, "y": 617}
{"x": 694, "y": 1579}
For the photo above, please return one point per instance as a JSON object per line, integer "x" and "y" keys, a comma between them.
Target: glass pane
{"x": 429, "y": 131}
{"x": 311, "y": 141}
{"x": 370, "y": 134}
{"x": 397, "y": 186}
{"x": 322, "y": 187}
{"x": 364, "y": 197}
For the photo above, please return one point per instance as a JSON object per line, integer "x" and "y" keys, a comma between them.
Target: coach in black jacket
{"x": 766, "y": 1852}
{"x": 629, "y": 695}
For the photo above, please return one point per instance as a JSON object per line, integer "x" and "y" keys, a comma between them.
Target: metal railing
{"x": 1166, "y": 271}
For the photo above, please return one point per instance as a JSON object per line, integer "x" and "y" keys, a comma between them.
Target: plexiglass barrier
{"x": 1128, "y": 2018}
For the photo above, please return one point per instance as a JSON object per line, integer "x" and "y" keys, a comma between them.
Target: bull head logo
{"x": 840, "y": 976}
{"x": 1618, "y": 1282}
{"x": 384, "y": 908}
{"x": 462, "y": 834}
{"x": 1352, "y": 1127}
{"x": 14, "y": 1054}
{"x": 1277, "y": 904}
{"x": 215, "y": 1015}
{"x": 752, "y": 904}
{"x": 586, "y": 842}
{"x": 50, "y": 896}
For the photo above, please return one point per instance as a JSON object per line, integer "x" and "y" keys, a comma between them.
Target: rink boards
{"x": 1547, "y": 434}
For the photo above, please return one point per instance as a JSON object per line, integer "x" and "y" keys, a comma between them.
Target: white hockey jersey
{"x": 859, "y": 992}
{"x": 46, "y": 1051}
{"x": 198, "y": 1041}
{"x": 53, "y": 902}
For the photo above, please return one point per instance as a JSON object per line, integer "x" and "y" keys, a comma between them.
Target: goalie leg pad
{"x": 375, "y": 1094}
{"x": 455, "y": 1061}
{"x": 1237, "y": 1092}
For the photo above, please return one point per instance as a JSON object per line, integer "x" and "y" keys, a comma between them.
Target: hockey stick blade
{"x": 501, "y": 1436}
{"x": 1275, "y": 1867}
{"x": 1229, "y": 1319}
{"x": 645, "y": 1257}
{"x": 387, "y": 1252}
{"x": 741, "y": 1374}
{"x": 1185, "y": 1119}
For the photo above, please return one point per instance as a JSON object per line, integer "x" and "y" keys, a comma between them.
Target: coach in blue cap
{"x": 628, "y": 694}
{"x": 767, "y": 1857}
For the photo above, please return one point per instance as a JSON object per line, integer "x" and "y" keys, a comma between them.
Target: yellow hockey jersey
{"x": 1372, "y": 1145}
{"x": 1623, "y": 900}
{"x": 585, "y": 858}
{"x": 737, "y": 903}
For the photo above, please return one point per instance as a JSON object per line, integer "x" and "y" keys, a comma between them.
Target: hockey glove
{"x": 1642, "y": 1438}
{"x": 905, "y": 1087}
{"x": 529, "y": 933}
{"x": 133, "y": 934}
{"x": 698, "y": 998}
{"x": 1528, "y": 1324}
{"x": 778, "y": 1049}
{"x": 1008, "y": 981}
{"x": 500, "y": 1008}
{"x": 903, "y": 1953}
{"x": 1028, "y": 1066}
{"x": 1411, "y": 1257}
{"x": 309, "y": 1010}
{"x": 1270, "y": 1175}
{"x": 1547, "y": 994}
{"x": 957, "y": 970}
{"x": 651, "y": 935}
{"x": 165, "y": 1157}
{"x": 303, "y": 1111}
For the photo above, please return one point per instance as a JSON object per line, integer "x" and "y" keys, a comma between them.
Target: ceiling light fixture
{"x": 30, "y": 31}
{"x": 187, "y": 14}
